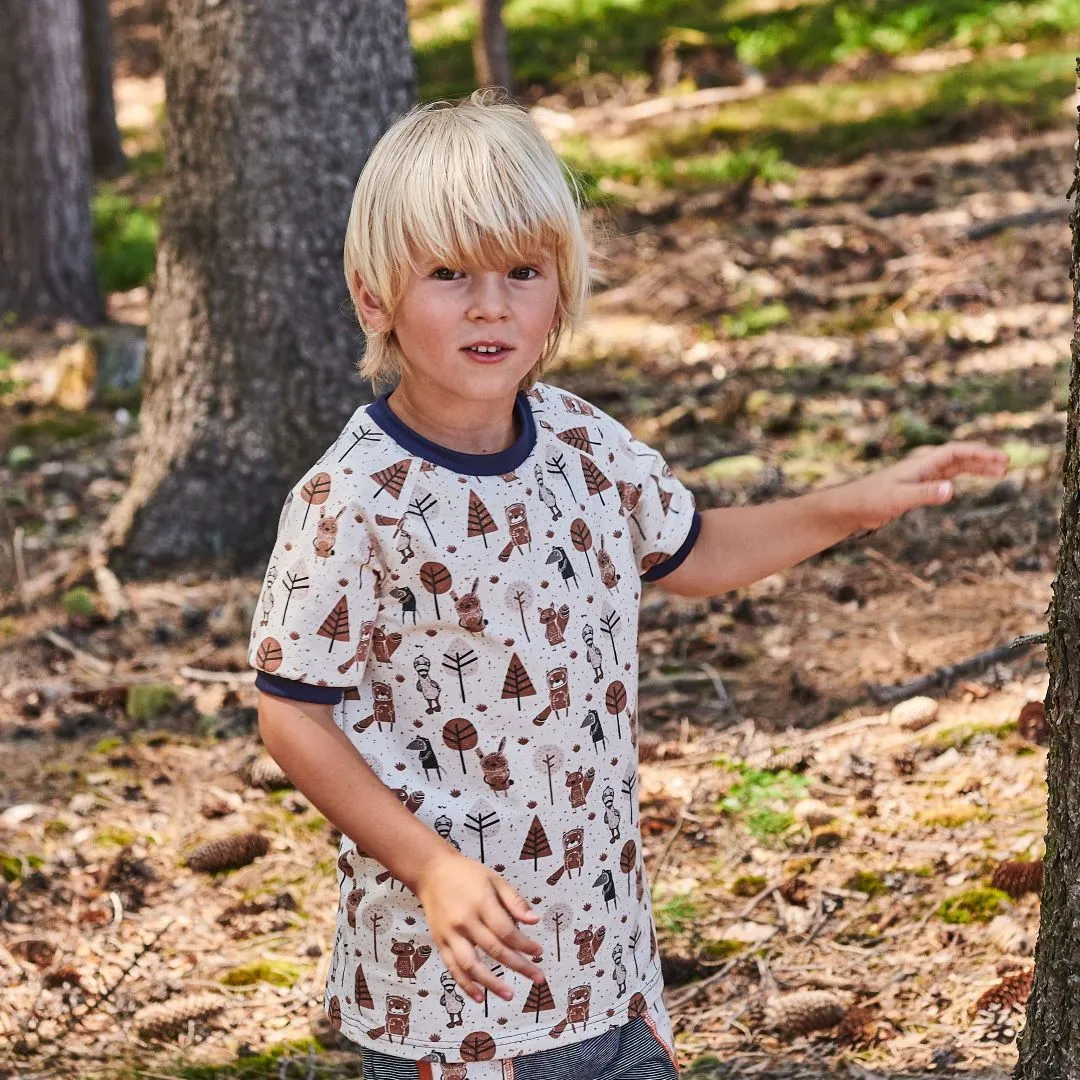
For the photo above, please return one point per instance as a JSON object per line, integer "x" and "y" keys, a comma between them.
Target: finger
{"x": 478, "y": 973}
{"x": 494, "y": 940}
{"x": 514, "y": 902}
{"x": 465, "y": 984}
{"x": 504, "y": 922}
{"x": 465, "y": 967}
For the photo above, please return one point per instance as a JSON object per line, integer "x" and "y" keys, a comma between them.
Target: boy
{"x": 446, "y": 639}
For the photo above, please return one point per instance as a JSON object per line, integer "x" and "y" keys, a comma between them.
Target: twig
{"x": 679, "y": 1000}
{"x": 860, "y": 722}
{"x": 1031, "y": 217}
{"x": 1024, "y": 640}
{"x": 201, "y": 675}
{"x": 20, "y": 565}
{"x": 944, "y": 676}
{"x": 763, "y": 895}
{"x": 662, "y": 857}
{"x": 896, "y": 568}
{"x": 88, "y": 660}
{"x": 726, "y": 702}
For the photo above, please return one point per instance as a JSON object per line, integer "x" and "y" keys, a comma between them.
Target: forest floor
{"x": 770, "y": 334}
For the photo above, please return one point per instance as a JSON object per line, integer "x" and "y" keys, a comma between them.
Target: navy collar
{"x": 456, "y": 460}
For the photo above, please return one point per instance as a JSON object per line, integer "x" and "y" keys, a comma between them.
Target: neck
{"x": 466, "y": 425}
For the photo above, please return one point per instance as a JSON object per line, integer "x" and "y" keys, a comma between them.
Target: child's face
{"x": 446, "y": 312}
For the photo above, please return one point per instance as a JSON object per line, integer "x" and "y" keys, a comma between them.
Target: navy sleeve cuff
{"x": 662, "y": 569}
{"x": 298, "y": 691}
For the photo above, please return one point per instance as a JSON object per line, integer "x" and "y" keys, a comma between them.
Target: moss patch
{"x": 975, "y": 905}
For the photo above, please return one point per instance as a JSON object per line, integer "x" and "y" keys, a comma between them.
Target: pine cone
{"x": 228, "y": 853}
{"x": 858, "y": 1028}
{"x": 792, "y": 760}
{"x": 1009, "y": 936}
{"x": 796, "y": 890}
{"x": 1018, "y": 878}
{"x": 1012, "y": 990}
{"x": 1032, "y": 723}
{"x": 170, "y": 1019}
{"x": 805, "y": 1011}
{"x": 264, "y": 772}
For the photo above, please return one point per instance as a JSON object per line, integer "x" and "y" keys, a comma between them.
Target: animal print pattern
{"x": 484, "y": 629}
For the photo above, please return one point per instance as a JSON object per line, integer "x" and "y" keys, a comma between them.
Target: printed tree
{"x": 269, "y": 655}
{"x": 336, "y": 625}
{"x": 556, "y": 465}
{"x": 424, "y": 506}
{"x": 374, "y": 435}
{"x": 581, "y": 538}
{"x": 392, "y": 478}
{"x": 437, "y": 580}
{"x": 480, "y": 521}
{"x": 519, "y": 594}
{"x": 374, "y": 917}
{"x": 361, "y": 993}
{"x": 632, "y": 941}
{"x": 536, "y": 846}
{"x": 496, "y": 969}
{"x": 459, "y": 734}
{"x": 615, "y": 702}
{"x": 482, "y": 819}
{"x": 315, "y": 492}
{"x": 595, "y": 481}
{"x": 629, "y": 494}
{"x": 517, "y": 682}
{"x": 539, "y": 1000}
{"x": 557, "y": 916}
{"x": 628, "y": 861}
{"x": 459, "y": 658}
{"x": 548, "y": 758}
{"x": 628, "y": 785}
{"x": 345, "y": 866}
{"x": 609, "y": 624}
{"x": 578, "y": 438}
{"x": 665, "y": 495}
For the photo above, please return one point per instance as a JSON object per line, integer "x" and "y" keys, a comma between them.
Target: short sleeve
{"x": 664, "y": 520}
{"x": 316, "y": 612}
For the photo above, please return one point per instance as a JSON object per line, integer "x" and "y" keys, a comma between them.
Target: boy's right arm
{"x": 466, "y": 903}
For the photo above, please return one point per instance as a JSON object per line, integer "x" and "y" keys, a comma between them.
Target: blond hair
{"x": 467, "y": 182}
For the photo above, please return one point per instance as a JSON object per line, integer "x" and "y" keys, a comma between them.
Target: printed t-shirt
{"x": 473, "y": 618}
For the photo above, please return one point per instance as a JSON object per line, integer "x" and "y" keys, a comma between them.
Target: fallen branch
{"x": 88, "y": 660}
{"x": 201, "y": 675}
{"x": 944, "y": 676}
{"x": 1031, "y": 217}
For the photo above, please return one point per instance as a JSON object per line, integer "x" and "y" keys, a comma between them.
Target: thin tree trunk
{"x": 105, "y": 150}
{"x": 1050, "y": 1042}
{"x": 272, "y": 108}
{"x": 46, "y": 243}
{"x": 491, "y": 48}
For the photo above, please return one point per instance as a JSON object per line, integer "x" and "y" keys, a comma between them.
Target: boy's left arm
{"x": 741, "y": 544}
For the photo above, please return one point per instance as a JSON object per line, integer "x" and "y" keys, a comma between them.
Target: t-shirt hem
{"x": 676, "y": 560}
{"x": 355, "y": 1029}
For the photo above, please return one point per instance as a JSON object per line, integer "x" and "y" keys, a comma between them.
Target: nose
{"x": 488, "y": 297}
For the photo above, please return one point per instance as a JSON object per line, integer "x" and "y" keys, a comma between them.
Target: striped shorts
{"x": 640, "y": 1049}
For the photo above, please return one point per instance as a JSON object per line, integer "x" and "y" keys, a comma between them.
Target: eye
{"x": 443, "y": 273}
{"x": 525, "y": 270}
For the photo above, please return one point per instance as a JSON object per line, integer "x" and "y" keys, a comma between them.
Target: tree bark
{"x": 1049, "y": 1047}
{"x": 46, "y": 242}
{"x": 106, "y": 153}
{"x": 490, "y": 47}
{"x": 272, "y": 108}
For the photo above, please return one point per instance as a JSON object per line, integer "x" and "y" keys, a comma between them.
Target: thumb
{"x": 938, "y": 491}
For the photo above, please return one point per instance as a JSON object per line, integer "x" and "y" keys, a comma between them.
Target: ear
{"x": 371, "y": 311}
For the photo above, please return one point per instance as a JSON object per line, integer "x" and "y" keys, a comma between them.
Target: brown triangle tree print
{"x": 392, "y": 478}
{"x": 539, "y": 1000}
{"x": 517, "y": 682}
{"x": 336, "y": 625}
{"x": 361, "y": 993}
{"x": 315, "y": 492}
{"x": 578, "y": 438}
{"x": 595, "y": 481}
{"x": 536, "y": 846}
{"x": 480, "y": 520}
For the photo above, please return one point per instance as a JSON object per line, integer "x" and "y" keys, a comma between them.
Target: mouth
{"x": 488, "y": 352}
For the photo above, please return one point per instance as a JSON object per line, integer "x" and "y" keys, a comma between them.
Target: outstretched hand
{"x": 923, "y": 478}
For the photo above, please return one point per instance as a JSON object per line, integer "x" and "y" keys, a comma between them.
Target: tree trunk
{"x": 491, "y": 49}
{"x": 46, "y": 243}
{"x": 105, "y": 150}
{"x": 271, "y": 109}
{"x": 1050, "y": 1042}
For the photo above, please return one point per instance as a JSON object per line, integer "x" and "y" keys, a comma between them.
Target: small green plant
{"x": 749, "y": 884}
{"x": 79, "y": 603}
{"x": 721, "y": 948}
{"x": 866, "y": 881}
{"x": 115, "y": 837}
{"x": 147, "y": 701}
{"x": 755, "y": 320}
{"x": 675, "y": 913}
{"x": 125, "y": 240}
{"x": 975, "y": 905}
{"x": 8, "y": 385}
{"x": 15, "y": 866}
{"x": 760, "y": 800}
{"x": 275, "y": 972}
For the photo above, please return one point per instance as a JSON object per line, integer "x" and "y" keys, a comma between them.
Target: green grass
{"x": 125, "y": 240}
{"x": 760, "y": 799}
{"x": 673, "y": 915}
{"x": 554, "y": 41}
